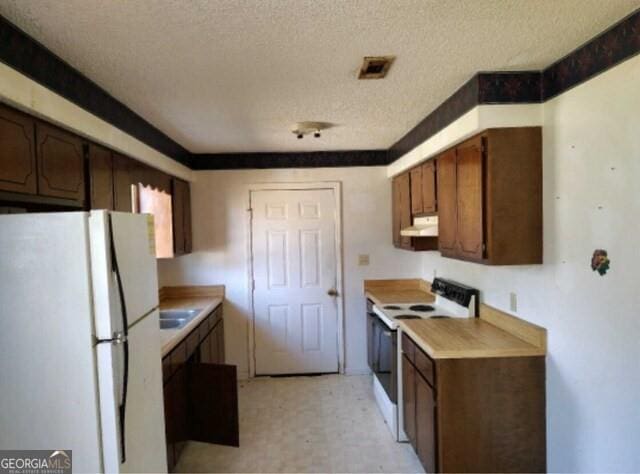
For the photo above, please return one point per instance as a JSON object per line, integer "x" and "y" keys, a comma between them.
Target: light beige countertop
{"x": 466, "y": 338}
{"x": 492, "y": 334}
{"x": 383, "y": 292}
{"x": 187, "y": 298}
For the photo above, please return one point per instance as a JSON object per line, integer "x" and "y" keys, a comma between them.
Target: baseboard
{"x": 357, "y": 371}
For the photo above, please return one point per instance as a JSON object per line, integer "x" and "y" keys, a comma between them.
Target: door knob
{"x": 332, "y": 292}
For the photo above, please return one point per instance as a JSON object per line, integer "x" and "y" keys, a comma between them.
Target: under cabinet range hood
{"x": 422, "y": 227}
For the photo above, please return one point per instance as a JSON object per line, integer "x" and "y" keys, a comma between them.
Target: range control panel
{"x": 454, "y": 291}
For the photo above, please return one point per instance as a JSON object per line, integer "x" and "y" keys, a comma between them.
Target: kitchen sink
{"x": 172, "y": 323}
{"x": 177, "y": 318}
{"x": 179, "y": 313}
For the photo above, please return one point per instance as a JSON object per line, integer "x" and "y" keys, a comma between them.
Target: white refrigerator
{"x": 80, "y": 360}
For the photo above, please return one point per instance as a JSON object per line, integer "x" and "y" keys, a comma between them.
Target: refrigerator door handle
{"x": 121, "y": 338}
{"x": 118, "y": 338}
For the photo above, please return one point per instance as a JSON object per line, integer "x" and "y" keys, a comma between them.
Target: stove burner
{"x": 439, "y": 316}
{"x": 407, "y": 316}
{"x": 391, "y": 306}
{"x": 421, "y": 307}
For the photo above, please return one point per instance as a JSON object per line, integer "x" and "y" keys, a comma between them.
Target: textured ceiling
{"x": 233, "y": 76}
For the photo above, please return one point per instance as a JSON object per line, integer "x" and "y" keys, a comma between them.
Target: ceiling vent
{"x": 375, "y": 67}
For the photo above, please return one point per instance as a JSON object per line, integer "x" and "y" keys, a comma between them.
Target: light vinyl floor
{"x": 328, "y": 423}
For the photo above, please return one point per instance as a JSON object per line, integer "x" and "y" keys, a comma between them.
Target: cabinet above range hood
{"x": 422, "y": 227}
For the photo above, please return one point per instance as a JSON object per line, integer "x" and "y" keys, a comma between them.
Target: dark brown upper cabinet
{"x": 149, "y": 176}
{"x": 181, "y": 217}
{"x": 401, "y": 214}
{"x": 429, "y": 198}
{"x": 100, "y": 177}
{"x": 401, "y": 203}
{"x": 60, "y": 157}
{"x": 447, "y": 216}
{"x": 395, "y": 212}
{"x": 469, "y": 193}
{"x": 415, "y": 176}
{"x": 423, "y": 189}
{"x": 490, "y": 198}
{"x": 123, "y": 179}
{"x": 17, "y": 152}
{"x": 188, "y": 242}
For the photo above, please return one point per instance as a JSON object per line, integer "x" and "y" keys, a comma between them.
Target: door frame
{"x": 336, "y": 187}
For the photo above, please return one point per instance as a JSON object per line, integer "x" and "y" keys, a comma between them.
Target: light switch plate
{"x": 513, "y": 302}
{"x": 363, "y": 260}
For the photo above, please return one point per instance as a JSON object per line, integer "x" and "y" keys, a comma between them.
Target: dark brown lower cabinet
{"x": 475, "y": 415}
{"x": 200, "y": 391}
{"x": 213, "y": 396}
{"x": 425, "y": 423}
{"x": 409, "y": 398}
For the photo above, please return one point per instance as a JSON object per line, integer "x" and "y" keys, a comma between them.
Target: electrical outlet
{"x": 363, "y": 260}
{"x": 513, "y": 302}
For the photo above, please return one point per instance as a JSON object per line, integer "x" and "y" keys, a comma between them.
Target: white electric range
{"x": 452, "y": 300}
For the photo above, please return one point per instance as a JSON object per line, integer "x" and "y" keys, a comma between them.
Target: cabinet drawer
{"x": 408, "y": 347}
{"x": 424, "y": 364}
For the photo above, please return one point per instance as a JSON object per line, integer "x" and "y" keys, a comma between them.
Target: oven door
{"x": 382, "y": 346}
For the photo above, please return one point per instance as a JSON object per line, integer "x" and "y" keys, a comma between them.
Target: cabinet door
{"x": 122, "y": 181}
{"x": 205, "y": 349}
{"x": 425, "y": 407}
{"x": 149, "y": 176}
{"x": 416, "y": 190}
{"x": 17, "y": 152}
{"x": 220, "y": 341}
{"x": 100, "y": 177}
{"x": 186, "y": 217}
{"x": 405, "y": 207}
{"x": 447, "y": 203}
{"x": 470, "y": 219}
{"x": 395, "y": 211}
{"x": 176, "y": 413}
{"x": 213, "y": 404}
{"x": 213, "y": 347}
{"x": 169, "y": 416}
{"x": 409, "y": 400}
{"x": 429, "y": 187}
{"x": 60, "y": 163}
{"x": 178, "y": 217}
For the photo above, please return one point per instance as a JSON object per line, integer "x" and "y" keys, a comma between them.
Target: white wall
{"x": 219, "y": 203}
{"x": 591, "y": 141}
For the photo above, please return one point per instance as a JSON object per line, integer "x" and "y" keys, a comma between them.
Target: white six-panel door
{"x": 294, "y": 269}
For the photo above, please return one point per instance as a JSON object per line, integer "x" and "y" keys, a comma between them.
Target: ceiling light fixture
{"x": 301, "y": 129}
